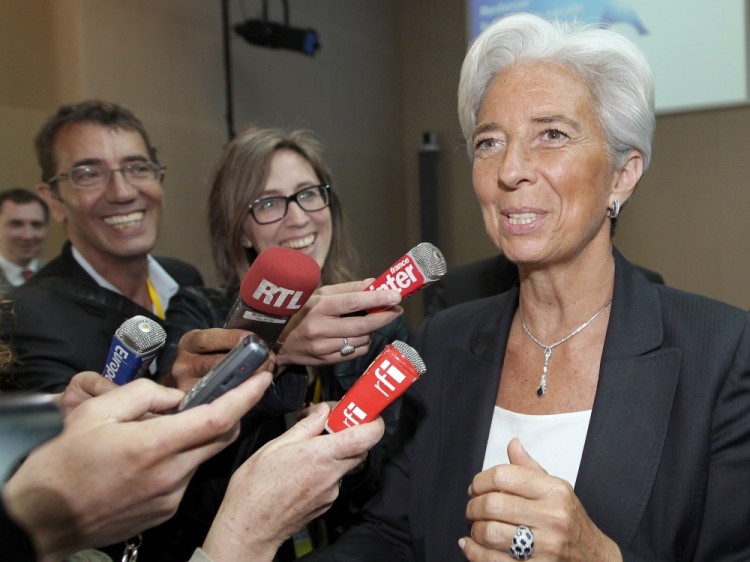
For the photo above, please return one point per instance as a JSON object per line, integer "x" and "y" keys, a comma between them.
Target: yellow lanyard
{"x": 317, "y": 391}
{"x": 158, "y": 310}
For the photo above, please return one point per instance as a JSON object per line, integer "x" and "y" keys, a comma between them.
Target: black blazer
{"x": 485, "y": 278}
{"x": 55, "y": 334}
{"x": 666, "y": 462}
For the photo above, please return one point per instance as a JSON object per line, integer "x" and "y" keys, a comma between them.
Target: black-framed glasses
{"x": 273, "y": 209}
{"x": 96, "y": 176}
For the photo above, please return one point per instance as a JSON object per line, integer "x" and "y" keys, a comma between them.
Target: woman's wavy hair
{"x": 239, "y": 179}
{"x": 616, "y": 71}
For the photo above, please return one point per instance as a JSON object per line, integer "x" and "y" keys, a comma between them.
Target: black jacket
{"x": 485, "y": 278}
{"x": 61, "y": 322}
{"x": 664, "y": 469}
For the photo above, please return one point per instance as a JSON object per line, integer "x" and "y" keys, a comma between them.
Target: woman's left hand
{"x": 522, "y": 493}
{"x": 315, "y": 335}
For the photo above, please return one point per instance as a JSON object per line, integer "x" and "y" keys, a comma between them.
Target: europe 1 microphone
{"x": 419, "y": 267}
{"x": 276, "y": 285}
{"x": 394, "y": 370}
{"x": 134, "y": 346}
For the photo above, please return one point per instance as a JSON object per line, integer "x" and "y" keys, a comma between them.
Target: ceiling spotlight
{"x": 265, "y": 33}
{"x": 277, "y": 36}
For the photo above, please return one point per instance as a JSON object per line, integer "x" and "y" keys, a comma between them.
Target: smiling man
{"x": 23, "y": 231}
{"x": 101, "y": 178}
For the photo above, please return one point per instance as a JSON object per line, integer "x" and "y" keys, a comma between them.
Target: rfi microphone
{"x": 276, "y": 285}
{"x": 134, "y": 346}
{"x": 393, "y": 371}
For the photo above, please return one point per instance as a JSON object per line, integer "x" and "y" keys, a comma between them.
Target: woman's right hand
{"x": 523, "y": 493}
{"x": 315, "y": 334}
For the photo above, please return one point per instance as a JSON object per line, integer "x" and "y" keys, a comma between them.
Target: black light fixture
{"x": 265, "y": 33}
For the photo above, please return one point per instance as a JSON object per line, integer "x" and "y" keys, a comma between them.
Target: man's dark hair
{"x": 21, "y": 196}
{"x": 92, "y": 111}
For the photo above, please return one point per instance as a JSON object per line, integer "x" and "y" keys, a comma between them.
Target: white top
{"x": 555, "y": 441}
{"x": 14, "y": 272}
{"x": 164, "y": 284}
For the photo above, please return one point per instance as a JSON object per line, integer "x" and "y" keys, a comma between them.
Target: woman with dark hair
{"x": 272, "y": 187}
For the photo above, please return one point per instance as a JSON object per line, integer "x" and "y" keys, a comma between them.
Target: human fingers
{"x": 510, "y": 479}
{"x": 475, "y": 552}
{"x": 568, "y": 532}
{"x": 312, "y": 408}
{"x": 211, "y": 340}
{"x": 129, "y": 402}
{"x": 493, "y": 534}
{"x": 353, "y": 442}
{"x": 498, "y": 506}
{"x": 347, "y": 287}
{"x": 81, "y": 387}
{"x": 199, "y": 351}
{"x": 360, "y": 300}
{"x": 310, "y": 424}
{"x": 208, "y": 428}
{"x": 320, "y": 338}
{"x": 351, "y": 297}
{"x": 518, "y": 456}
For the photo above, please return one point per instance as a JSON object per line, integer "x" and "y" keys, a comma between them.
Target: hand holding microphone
{"x": 393, "y": 371}
{"x": 134, "y": 346}
{"x": 275, "y": 287}
{"x": 419, "y": 267}
{"x": 316, "y": 333}
{"x": 333, "y": 326}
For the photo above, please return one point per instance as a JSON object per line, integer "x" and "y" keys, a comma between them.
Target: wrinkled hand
{"x": 284, "y": 485}
{"x": 81, "y": 387}
{"x": 522, "y": 493}
{"x": 316, "y": 333}
{"x": 119, "y": 468}
{"x": 199, "y": 351}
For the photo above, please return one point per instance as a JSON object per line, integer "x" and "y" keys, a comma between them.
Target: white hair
{"x": 615, "y": 70}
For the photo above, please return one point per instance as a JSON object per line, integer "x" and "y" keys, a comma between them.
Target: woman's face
{"x": 540, "y": 166}
{"x": 308, "y": 232}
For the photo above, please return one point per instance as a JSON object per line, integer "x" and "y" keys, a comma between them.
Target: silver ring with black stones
{"x": 522, "y": 544}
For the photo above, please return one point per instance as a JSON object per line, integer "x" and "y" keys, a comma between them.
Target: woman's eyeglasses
{"x": 273, "y": 209}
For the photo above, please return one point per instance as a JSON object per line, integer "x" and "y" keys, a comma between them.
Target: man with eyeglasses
{"x": 102, "y": 179}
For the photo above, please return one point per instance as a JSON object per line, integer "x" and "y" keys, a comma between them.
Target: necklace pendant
{"x": 548, "y": 348}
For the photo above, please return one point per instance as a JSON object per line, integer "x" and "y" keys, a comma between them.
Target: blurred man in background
{"x": 24, "y": 217}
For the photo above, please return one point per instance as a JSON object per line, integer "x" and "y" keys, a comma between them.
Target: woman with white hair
{"x": 587, "y": 414}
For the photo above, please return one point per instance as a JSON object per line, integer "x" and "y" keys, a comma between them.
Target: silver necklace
{"x": 548, "y": 348}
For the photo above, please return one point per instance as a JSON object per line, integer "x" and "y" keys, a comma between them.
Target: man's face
{"x": 23, "y": 230}
{"x": 115, "y": 223}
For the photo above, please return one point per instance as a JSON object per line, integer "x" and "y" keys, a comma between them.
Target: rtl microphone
{"x": 133, "y": 348}
{"x": 276, "y": 285}
{"x": 421, "y": 266}
{"x": 393, "y": 371}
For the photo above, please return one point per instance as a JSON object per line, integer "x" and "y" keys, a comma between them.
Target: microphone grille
{"x": 430, "y": 260}
{"x": 411, "y": 355}
{"x": 141, "y": 334}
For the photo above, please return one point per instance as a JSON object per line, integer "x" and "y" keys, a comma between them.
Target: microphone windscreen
{"x": 430, "y": 260}
{"x": 141, "y": 335}
{"x": 280, "y": 281}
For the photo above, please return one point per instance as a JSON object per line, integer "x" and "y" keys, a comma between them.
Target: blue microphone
{"x": 134, "y": 346}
